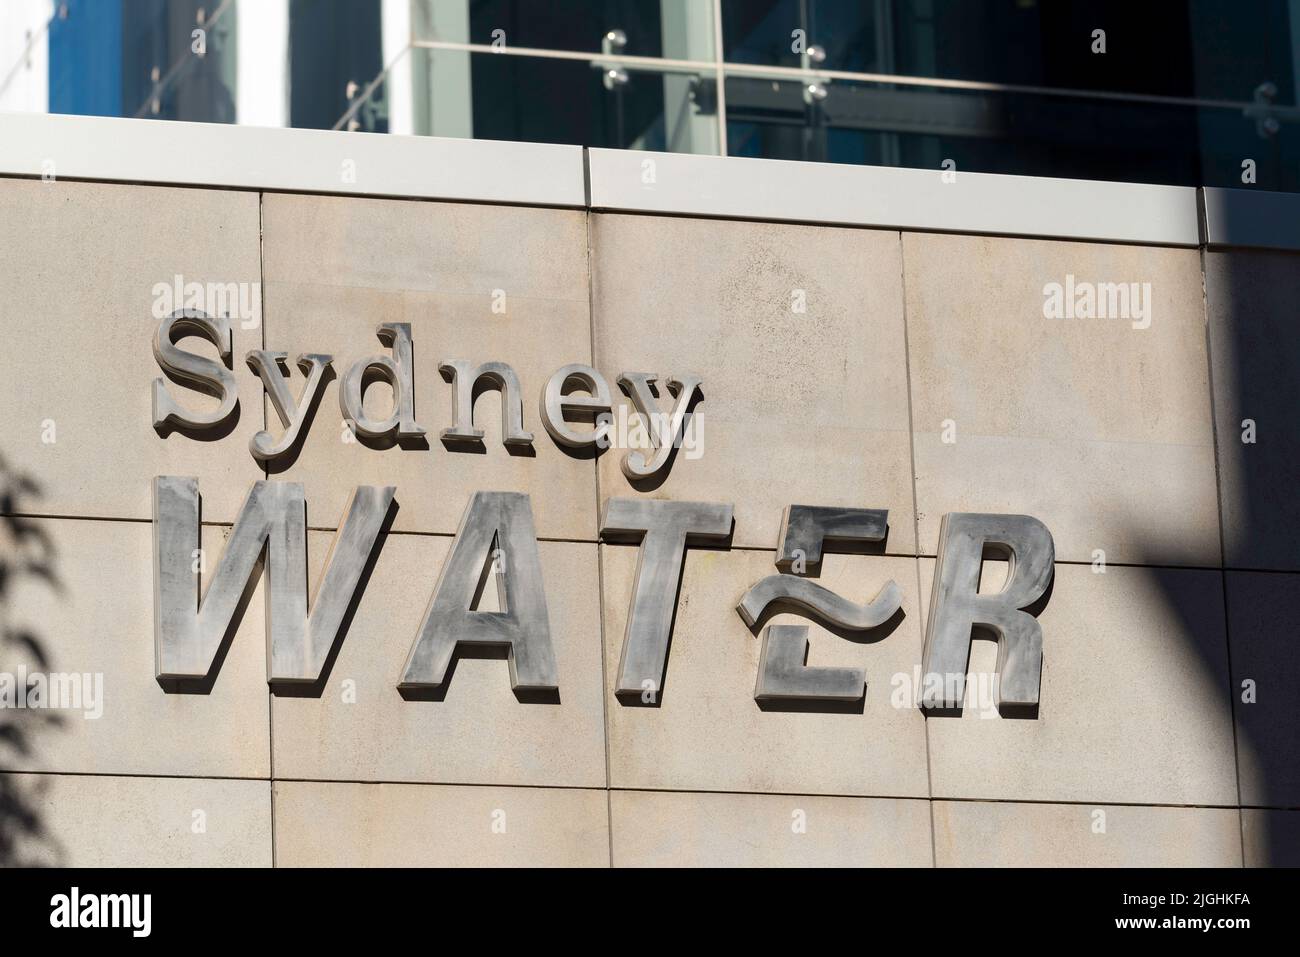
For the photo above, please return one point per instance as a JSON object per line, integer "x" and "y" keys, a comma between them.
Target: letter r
{"x": 956, "y": 607}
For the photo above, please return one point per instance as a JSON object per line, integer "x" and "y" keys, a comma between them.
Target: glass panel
{"x": 998, "y": 132}
{"x": 1228, "y": 139}
{"x": 540, "y": 100}
{"x": 677, "y": 29}
{"x": 334, "y": 52}
{"x": 760, "y": 31}
{"x": 1206, "y": 49}
{"x": 307, "y": 62}
{"x": 24, "y": 57}
{"x": 141, "y": 58}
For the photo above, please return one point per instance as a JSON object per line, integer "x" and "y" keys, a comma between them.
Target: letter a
{"x": 495, "y": 539}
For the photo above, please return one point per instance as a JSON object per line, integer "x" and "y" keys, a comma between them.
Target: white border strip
{"x": 538, "y": 174}
{"x": 895, "y": 198}
{"x": 246, "y": 157}
{"x": 1245, "y": 218}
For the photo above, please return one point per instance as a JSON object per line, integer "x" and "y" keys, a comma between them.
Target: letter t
{"x": 665, "y": 530}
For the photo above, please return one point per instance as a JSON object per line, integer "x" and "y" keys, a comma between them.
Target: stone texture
{"x": 105, "y": 821}
{"x": 336, "y": 268}
{"x": 93, "y": 614}
{"x": 1263, "y": 625}
{"x": 480, "y": 733}
{"x": 673, "y": 829}
{"x": 412, "y": 825}
{"x": 1255, "y": 345}
{"x": 707, "y": 731}
{"x": 980, "y": 834}
{"x": 807, "y": 408}
{"x": 1100, "y": 430}
{"x": 81, "y": 261}
{"x": 1271, "y": 838}
{"x": 1133, "y": 705}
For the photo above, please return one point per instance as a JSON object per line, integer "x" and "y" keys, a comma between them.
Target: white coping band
{"x": 247, "y": 157}
{"x": 895, "y": 198}
{"x": 539, "y": 174}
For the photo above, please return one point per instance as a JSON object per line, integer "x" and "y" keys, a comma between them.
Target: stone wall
{"x": 920, "y": 376}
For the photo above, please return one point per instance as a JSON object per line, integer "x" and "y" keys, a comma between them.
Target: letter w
{"x": 189, "y": 630}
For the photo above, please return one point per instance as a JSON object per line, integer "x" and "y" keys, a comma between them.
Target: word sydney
{"x": 667, "y": 430}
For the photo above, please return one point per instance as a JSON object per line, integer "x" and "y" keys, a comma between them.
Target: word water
{"x": 496, "y": 539}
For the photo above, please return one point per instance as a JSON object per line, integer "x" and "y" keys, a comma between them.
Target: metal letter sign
{"x": 292, "y": 415}
{"x": 199, "y": 372}
{"x": 956, "y": 607}
{"x": 495, "y": 540}
{"x": 596, "y": 404}
{"x": 783, "y": 672}
{"x": 664, "y": 437}
{"x": 188, "y": 631}
{"x": 806, "y": 527}
{"x": 464, "y": 377}
{"x": 664, "y": 530}
{"x": 496, "y": 543}
{"x": 396, "y": 370}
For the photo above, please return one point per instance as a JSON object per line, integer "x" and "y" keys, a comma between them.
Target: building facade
{"x": 1180, "y": 92}
{"x": 1115, "y": 361}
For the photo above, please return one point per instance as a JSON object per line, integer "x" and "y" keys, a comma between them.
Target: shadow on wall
{"x": 26, "y": 561}
{"x": 1254, "y": 339}
{"x": 1253, "y": 624}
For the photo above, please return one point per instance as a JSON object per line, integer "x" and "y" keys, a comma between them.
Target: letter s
{"x": 198, "y": 372}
